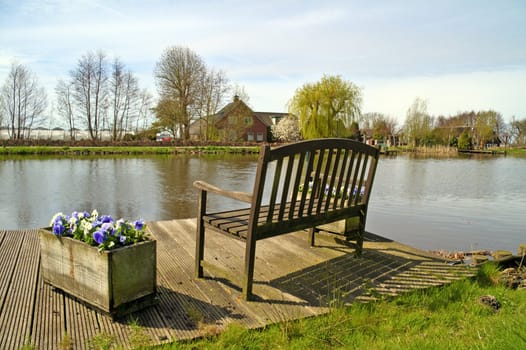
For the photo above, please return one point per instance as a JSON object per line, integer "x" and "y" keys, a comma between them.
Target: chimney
{"x": 236, "y": 98}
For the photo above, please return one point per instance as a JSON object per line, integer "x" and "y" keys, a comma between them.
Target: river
{"x": 458, "y": 203}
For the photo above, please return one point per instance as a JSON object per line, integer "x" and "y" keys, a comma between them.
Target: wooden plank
{"x": 179, "y": 277}
{"x": 259, "y": 313}
{"x": 118, "y": 332}
{"x": 17, "y": 310}
{"x": 2, "y": 235}
{"x": 81, "y": 323}
{"x": 48, "y": 326}
{"x": 9, "y": 252}
{"x": 218, "y": 247}
{"x": 181, "y": 285}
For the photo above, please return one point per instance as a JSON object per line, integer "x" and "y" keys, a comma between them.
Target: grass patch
{"x": 448, "y": 317}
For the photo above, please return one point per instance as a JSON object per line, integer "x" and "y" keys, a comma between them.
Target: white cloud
{"x": 395, "y": 50}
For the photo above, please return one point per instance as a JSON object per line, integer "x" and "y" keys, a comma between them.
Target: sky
{"x": 458, "y": 55}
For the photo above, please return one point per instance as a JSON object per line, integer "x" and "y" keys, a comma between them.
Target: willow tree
{"x": 326, "y": 108}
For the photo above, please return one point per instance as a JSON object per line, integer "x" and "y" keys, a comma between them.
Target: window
{"x": 260, "y": 136}
{"x": 248, "y": 120}
{"x": 250, "y": 136}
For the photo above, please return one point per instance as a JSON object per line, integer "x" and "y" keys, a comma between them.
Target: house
{"x": 237, "y": 122}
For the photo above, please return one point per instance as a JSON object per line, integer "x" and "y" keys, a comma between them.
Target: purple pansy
{"x": 106, "y": 218}
{"x": 98, "y": 236}
{"x": 139, "y": 224}
{"x": 107, "y": 227}
{"x": 58, "y": 228}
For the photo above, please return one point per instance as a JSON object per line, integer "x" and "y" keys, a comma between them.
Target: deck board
{"x": 292, "y": 280}
{"x": 17, "y": 308}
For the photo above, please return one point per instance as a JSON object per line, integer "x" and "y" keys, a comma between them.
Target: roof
{"x": 226, "y": 110}
{"x": 266, "y": 117}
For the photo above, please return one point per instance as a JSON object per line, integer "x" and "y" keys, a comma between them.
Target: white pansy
{"x": 119, "y": 223}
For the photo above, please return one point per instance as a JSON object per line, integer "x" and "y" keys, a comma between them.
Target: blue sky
{"x": 458, "y": 54}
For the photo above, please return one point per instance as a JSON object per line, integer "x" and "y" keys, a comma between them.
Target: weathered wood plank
{"x": 265, "y": 311}
{"x": 81, "y": 323}
{"x": 179, "y": 245}
{"x": 2, "y": 235}
{"x": 48, "y": 325}
{"x": 229, "y": 254}
{"x": 9, "y": 252}
{"x": 17, "y": 310}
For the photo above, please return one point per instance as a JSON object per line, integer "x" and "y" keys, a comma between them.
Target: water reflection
{"x": 154, "y": 188}
{"x": 450, "y": 203}
{"x": 446, "y": 203}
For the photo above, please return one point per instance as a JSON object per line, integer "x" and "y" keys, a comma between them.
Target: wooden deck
{"x": 291, "y": 281}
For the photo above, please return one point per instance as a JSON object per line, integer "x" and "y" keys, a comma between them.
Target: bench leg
{"x": 312, "y": 234}
{"x": 353, "y": 233}
{"x": 199, "y": 249}
{"x": 359, "y": 236}
{"x": 359, "y": 244}
{"x": 250, "y": 257}
{"x": 200, "y": 236}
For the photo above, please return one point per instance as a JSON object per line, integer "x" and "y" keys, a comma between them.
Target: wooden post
{"x": 200, "y": 235}
{"x": 250, "y": 257}
{"x": 312, "y": 234}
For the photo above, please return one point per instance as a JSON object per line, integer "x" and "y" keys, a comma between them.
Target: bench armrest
{"x": 240, "y": 196}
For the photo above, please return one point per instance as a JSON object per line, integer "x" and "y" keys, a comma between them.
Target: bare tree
{"x": 379, "y": 127}
{"x": 2, "y": 111}
{"x": 144, "y": 110}
{"x": 518, "y": 130}
{"x": 91, "y": 96}
{"x": 65, "y": 108}
{"x": 132, "y": 100}
{"x": 124, "y": 95}
{"x": 240, "y": 91}
{"x": 169, "y": 115}
{"x": 179, "y": 75}
{"x": 23, "y": 101}
{"x": 213, "y": 90}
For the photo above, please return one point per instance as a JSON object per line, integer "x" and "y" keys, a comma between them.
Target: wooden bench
{"x": 297, "y": 186}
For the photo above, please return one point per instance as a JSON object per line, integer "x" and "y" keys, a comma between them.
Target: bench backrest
{"x": 310, "y": 183}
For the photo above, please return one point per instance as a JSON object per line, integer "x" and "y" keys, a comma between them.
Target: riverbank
{"x": 124, "y": 150}
{"x": 160, "y": 149}
{"x": 448, "y": 151}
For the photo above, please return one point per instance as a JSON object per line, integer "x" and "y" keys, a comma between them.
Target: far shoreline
{"x": 89, "y": 148}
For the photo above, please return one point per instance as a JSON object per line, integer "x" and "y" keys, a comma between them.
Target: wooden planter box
{"x": 115, "y": 282}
